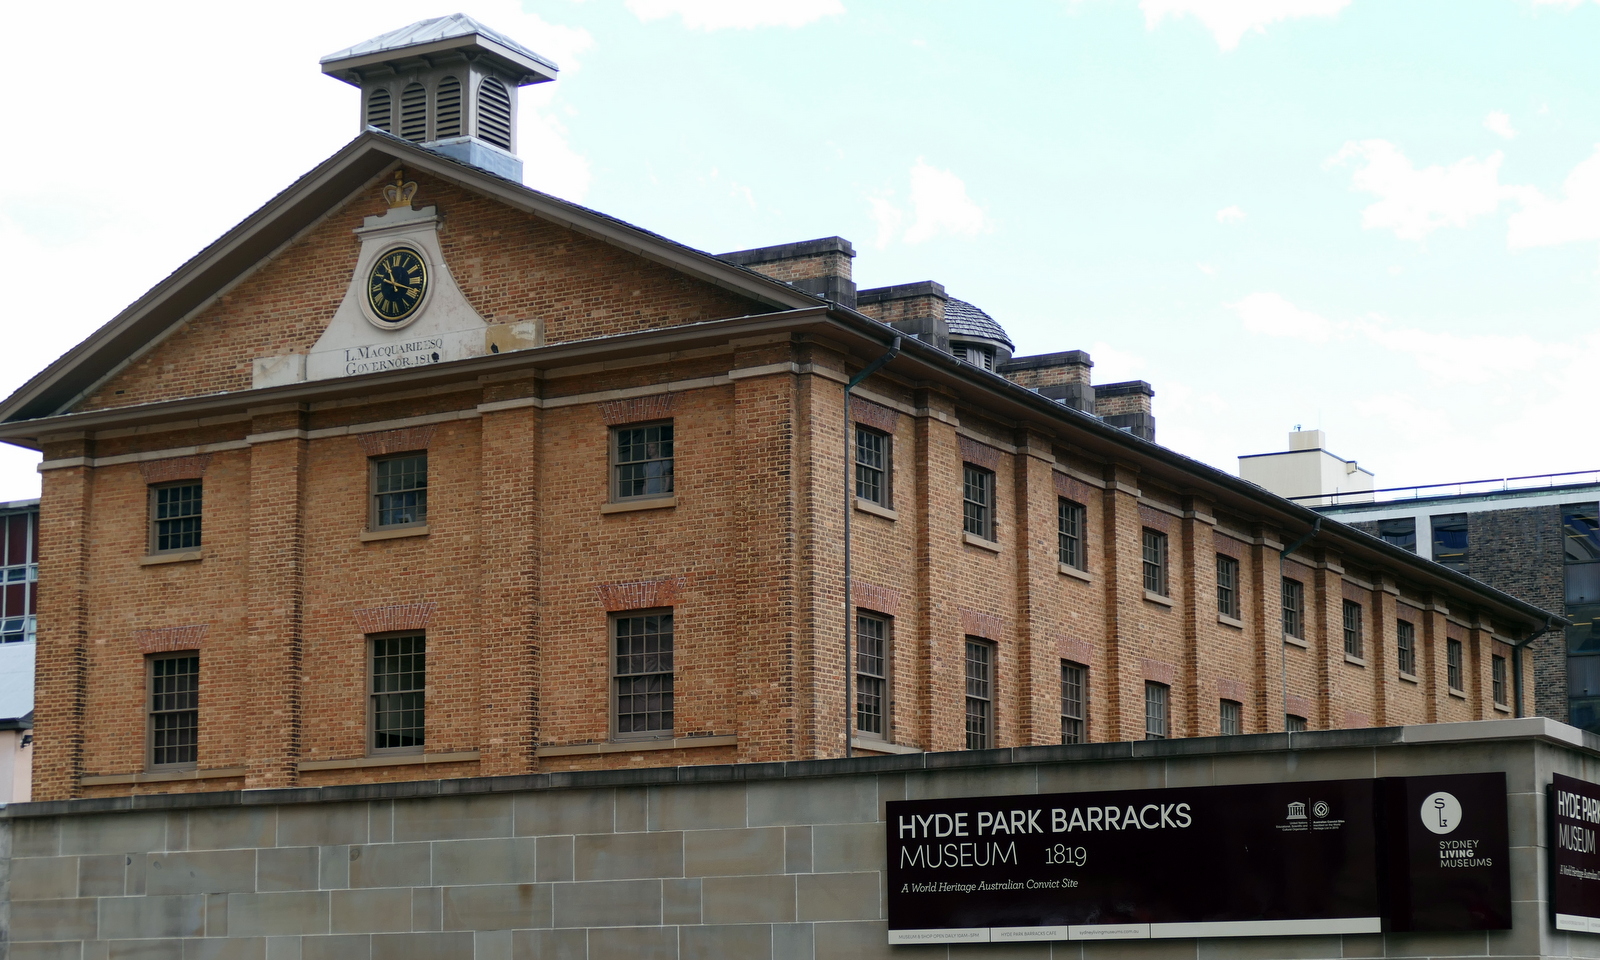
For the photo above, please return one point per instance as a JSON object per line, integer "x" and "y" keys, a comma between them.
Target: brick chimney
{"x": 1126, "y": 406}
{"x": 913, "y": 308}
{"x": 818, "y": 267}
{"x": 1062, "y": 377}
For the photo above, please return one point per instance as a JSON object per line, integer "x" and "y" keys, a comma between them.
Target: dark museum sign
{"x": 1268, "y": 859}
{"x": 1574, "y": 865}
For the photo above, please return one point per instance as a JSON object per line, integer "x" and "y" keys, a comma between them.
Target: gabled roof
{"x": 439, "y": 35}
{"x": 367, "y": 157}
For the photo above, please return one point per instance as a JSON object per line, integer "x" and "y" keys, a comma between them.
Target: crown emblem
{"x": 401, "y": 192}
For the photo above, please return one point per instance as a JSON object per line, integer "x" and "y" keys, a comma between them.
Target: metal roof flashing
{"x": 456, "y": 33}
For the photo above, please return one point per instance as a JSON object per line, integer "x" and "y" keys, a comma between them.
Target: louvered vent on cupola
{"x": 378, "y": 110}
{"x": 449, "y": 84}
{"x": 447, "y": 109}
{"x": 494, "y": 113}
{"x": 414, "y": 112}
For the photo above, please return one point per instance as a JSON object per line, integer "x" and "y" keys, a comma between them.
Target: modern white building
{"x": 1308, "y": 470}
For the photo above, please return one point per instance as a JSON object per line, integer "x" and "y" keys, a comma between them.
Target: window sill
{"x": 1458, "y": 694}
{"x": 1502, "y": 708}
{"x": 867, "y": 506}
{"x": 1358, "y": 661}
{"x": 1158, "y": 598}
{"x": 1228, "y": 621}
{"x": 882, "y": 746}
{"x": 403, "y": 759}
{"x": 1296, "y": 642}
{"x": 629, "y": 506}
{"x": 973, "y": 540}
{"x": 1409, "y": 677}
{"x": 396, "y": 533}
{"x": 636, "y": 746}
{"x": 1075, "y": 572}
{"x": 160, "y": 776}
{"x": 174, "y": 557}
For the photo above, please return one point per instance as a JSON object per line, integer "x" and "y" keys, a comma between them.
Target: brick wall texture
{"x": 524, "y": 559}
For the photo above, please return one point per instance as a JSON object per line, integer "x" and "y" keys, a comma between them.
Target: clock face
{"x": 396, "y": 285}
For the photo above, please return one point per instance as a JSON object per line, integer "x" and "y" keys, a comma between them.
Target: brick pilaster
{"x": 61, "y": 669}
{"x": 1124, "y": 575}
{"x": 1038, "y": 588}
{"x": 276, "y": 594}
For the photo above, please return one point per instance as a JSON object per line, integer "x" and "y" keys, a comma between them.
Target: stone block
{"x": 1100, "y": 775}
{"x": 747, "y": 941}
{"x": 483, "y": 861}
{"x": 627, "y": 856}
{"x": 333, "y": 867}
{"x": 797, "y": 850}
{"x": 1271, "y": 948}
{"x": 216, "y": 914}
{"x": 700, "y": 807}
{"x": 36, "y": 837}
{"x": 1139, "y": 950}
{"x": 133, "y": 878}
{"x": 549, "y": 945}
{"x": 606, "y": 903}
{"x": 499, "y": 906}
{"x": 634, "y": 943}
{"x": 225, "y": 948}
{"x": 277, "y": 914}
{"x": 827, "y": 800}
{"x": 380, "y": 821}
{"x": 322, "y": 824}
{"x": 680, "y": 901}
{"x": 1001, "y": 951}
{"x": 102, "y": 876}
{"x": 719, "y": 853}
{"x": 348, "y": 947}
{"x": 170, "y": 916}
{"x": 427, "y": 909}
{"x": 114, "y": 833}
{"x": 144, "y": 949}
{"x": 748, "y": 899}
{"x": 491, "y": 945}
{"x": 837, "y": 896}
{"x": 453, "y": 818}
{"x": 792, "y": 941}
{"x": 45, "y": 878}
{"x": 554, "y": 859}
{"x": 286, "y": 868}
{"x": 391, "y": 865}
{"x": 177, "y": 832}
{"x": 283, "y": 948}
{"x": 847, "y": 847}
{"x": 371, "y": 910}
{"x": 422, "y": 946}
{"x": 47, "y": 950}
{"x": 565, "y": 811}
{"x": 221, "y": 828}
{"x": 972, "y": 782}
{"x": 209, "y": 871}
{"x": 633, "y": 810}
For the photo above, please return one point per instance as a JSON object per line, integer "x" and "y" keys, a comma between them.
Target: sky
{"x": 1377, "y": 218}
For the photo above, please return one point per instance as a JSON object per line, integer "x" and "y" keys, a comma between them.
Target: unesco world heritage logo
{"x": 1297, "y": 811}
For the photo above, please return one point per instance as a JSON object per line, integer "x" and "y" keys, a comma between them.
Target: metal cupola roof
{"x": 966, "y": 320}
{"x": 456, "y": 33}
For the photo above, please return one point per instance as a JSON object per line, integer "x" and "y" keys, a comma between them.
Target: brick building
{"x": 418, "y": 473}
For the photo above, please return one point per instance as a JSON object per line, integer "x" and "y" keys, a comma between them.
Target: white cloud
{"x": 1230, "y": 20}
{"x": 1543, "y": 222}
{"x": 1230, "y": 215}
{"x": 940, "y": 207}
{"x": 737, "y": 14}
{"x": 1499, "y": 122}
{"x": 1274, "y": 316}
{"x": 1415, "y": 202}
{"x": 1446, "y": 357}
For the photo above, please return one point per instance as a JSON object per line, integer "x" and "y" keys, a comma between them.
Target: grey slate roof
{"x": 966, "y": 320}
{"x": 430, "y": 31}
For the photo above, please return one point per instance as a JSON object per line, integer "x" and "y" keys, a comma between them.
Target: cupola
{"x": 449, "y": 84}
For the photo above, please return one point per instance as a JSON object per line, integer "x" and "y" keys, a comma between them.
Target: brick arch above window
{"x": 979, "y": 453}
{"x": 978, "y": 624}
{"x": 639, "y": 594}
{"x": 874, "y": 415}
{"x": 884, "y": 600}
{"x": 638, "y": 409}
{"x": 394, "y": 616}
{"x": 384, "y": 442}
{"x": 175, "y": 468}
{"x": 163, "y": 639}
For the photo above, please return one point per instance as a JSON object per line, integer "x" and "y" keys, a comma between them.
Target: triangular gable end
{"x": 515, "y": 268}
